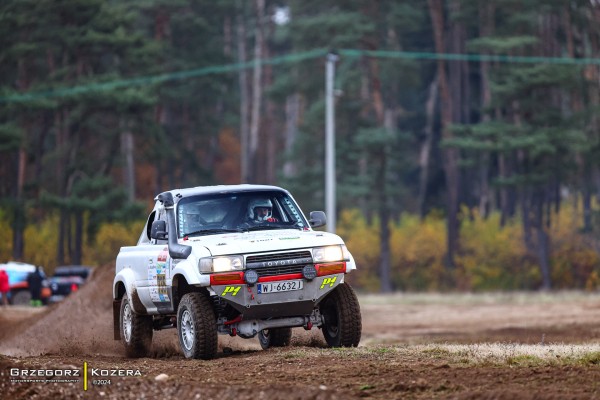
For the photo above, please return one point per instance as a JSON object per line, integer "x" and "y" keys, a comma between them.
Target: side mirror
{"x": 159, "y": 230}
{"x": 317, "y": 219}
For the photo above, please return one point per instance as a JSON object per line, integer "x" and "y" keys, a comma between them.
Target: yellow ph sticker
{"x": 328, "y": 281}
{"x": 231, "y": 289}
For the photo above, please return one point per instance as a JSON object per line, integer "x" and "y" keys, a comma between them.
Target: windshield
{"x": 238, "y": 212}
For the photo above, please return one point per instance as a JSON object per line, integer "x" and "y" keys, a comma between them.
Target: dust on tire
{"x": 137, "y": 337}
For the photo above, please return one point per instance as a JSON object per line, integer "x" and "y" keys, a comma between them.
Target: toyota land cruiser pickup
{"x": 239, "y": 260}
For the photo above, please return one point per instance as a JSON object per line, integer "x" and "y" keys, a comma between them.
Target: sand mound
{"x": 79, "y": 325}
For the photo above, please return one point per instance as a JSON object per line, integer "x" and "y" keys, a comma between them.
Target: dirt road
{"x": 518, "y": 346}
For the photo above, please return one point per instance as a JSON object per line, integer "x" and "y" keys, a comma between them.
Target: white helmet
{"x": 260, "y": 203}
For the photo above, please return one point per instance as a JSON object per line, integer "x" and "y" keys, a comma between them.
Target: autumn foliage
{"x": 491, "y": 257}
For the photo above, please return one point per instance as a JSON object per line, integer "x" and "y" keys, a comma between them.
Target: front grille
{"x": 278, "y": 256}
{"x": 279, "y": 263}
{"x": 270, "y": 271}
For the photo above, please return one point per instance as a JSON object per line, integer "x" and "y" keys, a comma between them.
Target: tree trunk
{"x": 62, "y": 229}
{"x": 363, "y": 162}
{"x": 76, "y": 256}
{"x": 188, "y": 163}
{"x": 590, "y": 72}
{"x": 256, "y": 89}
{"x": 19, "y": 222}
{"x": 425, "y": 153}
{"x": 161, "y": 33}
{"x": 244, "y": 98}
{"x": 19, "y": 217}
{"x": 22, "y": 163}
{"x": 18, "y": 227}
{"x": 292, "y": 119}
{"x": 62, "y": 140}
{"x": 385, "y": 263}
{"x": 46, "y": 125}
{"x": 525, "y": 200}
{"x": 127, "y": 147}
{"x": 543, "y": 246}
{"x": 455, "y": 45}
{"x": 450, "y": 155}
{"x": 269, "y": 137}
{"x": 486, "y": 29}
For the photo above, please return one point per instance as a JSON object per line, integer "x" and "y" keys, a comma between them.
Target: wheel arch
{"x": 119, "y": 290}
{"x": 126, "y": 278}
{"x": 181, "y": 287}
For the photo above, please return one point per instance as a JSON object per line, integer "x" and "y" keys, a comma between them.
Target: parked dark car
{"x": 68, "y": 279}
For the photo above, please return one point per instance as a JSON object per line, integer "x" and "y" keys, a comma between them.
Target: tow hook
{"x": 308, "y": 326}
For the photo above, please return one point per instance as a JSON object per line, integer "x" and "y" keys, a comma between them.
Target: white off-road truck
{"x": 238, "y": 260}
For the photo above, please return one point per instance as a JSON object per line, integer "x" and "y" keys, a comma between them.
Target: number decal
{"x": 328, "y": 281}
{"x": 231, "y": 289}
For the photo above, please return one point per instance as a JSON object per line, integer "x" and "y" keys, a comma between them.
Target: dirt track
{"x": 413, "y": 346}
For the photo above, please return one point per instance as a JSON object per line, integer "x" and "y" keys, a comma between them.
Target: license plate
{"x": 282, "y": 286}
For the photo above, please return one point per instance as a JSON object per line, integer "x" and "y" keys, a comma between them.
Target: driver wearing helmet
{"x": 194, "y": 222}
{"x": 261, "y": 210}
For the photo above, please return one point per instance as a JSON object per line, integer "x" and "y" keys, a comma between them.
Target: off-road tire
{"x": 20, "y": 298}
{"x": 136, "y": 331}
{"x": 275, "y": 337}
{"x": 342, "y": 324}
{"x": 197, "y": 326}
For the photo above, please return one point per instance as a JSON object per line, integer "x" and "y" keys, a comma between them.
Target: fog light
{"x": 309, "y": 272}
{"x": 251, "y": 276}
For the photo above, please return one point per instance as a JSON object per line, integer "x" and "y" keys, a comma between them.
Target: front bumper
{"x": 253, "y": 305}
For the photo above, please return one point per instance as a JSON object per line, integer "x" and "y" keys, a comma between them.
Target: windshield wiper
{"x": 210, "y": 231}
{"x": 269, "y": 226}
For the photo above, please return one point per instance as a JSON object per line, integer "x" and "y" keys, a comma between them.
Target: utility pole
{"x": 330, "y": 143}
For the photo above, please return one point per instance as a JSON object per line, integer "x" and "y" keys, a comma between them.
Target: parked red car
{"x": 17, "y": 279}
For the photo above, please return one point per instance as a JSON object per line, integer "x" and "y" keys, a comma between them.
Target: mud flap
{"x": 117, "y": 319}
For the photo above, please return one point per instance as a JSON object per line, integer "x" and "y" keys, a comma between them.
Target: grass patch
{"x": 489, "y": 354}
{"x": 437, "y": 351}
{"x": 296, "y": 354}
{"x": 525, "y": 360}
{"x": 592, "y": 358}
{"x": 510, "y": 354}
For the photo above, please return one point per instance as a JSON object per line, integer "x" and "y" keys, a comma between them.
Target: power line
{"x": 468, "y": 57}
{"x": 290, "y": 58}
{"x": 157, "y": 79}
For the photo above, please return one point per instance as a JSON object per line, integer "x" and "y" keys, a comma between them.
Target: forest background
{"x": 467, "y": 132}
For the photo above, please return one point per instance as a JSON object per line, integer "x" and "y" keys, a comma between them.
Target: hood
{"x": 263, "y": 241}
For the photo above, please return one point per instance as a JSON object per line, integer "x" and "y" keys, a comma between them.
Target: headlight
{"x": 328, "y": 254}
{"x": 221, "y": 264}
